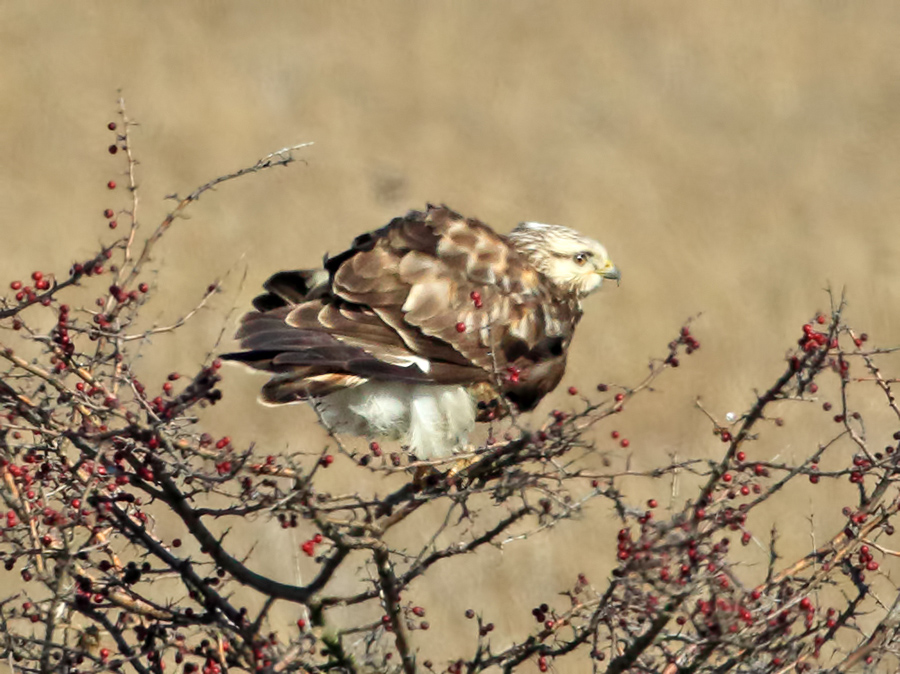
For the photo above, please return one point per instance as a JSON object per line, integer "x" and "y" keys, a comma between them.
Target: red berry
{"x": 460, "y": 327}
{"x": 143, "y": 287}
{"x": 113, "y": 224}
{"x": 624, "y": 442}
{"x": 16, "y": 285}
{"x": 111, "y": 126}
{"x": 111, "y": 184}
{"x": 573, "y": 391}
{"x": 615, "y": 435}
{"x": 176, "y": 543}
{"x": 36, "y": 275}
{"x": 113, "y": 149}
{"x": 108, "y": 213}
{"x": 652, "y": 503}
{"x": 620, "y": 397}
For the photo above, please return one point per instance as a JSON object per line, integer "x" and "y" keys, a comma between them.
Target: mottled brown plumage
{"x": 432, "y": 298}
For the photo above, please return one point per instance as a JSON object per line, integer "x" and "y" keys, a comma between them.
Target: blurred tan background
{"x": 735, "y": 158}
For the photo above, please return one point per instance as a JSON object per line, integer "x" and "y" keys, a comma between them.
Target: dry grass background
{"x": 734, "y": 157}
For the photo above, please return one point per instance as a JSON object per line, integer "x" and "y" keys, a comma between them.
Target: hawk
{"x": 419, "y": 329}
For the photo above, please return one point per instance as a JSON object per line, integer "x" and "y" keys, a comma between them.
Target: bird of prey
{"x": 418, "y": 329}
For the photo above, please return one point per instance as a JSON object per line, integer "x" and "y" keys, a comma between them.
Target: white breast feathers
{"x": 433, "y": 421}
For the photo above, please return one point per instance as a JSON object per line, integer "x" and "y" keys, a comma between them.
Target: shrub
{"x": 91, "y": 458}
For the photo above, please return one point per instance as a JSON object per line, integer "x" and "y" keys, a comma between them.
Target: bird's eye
{"x": 581, "y": 258}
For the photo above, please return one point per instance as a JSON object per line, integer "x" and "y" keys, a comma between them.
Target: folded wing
{"x": 432, "y": 297}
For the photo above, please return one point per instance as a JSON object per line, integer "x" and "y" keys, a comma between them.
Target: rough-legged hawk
{"x": 417, "y": 330}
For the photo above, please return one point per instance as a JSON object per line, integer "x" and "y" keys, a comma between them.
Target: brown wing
{"x": 431, "y": 288}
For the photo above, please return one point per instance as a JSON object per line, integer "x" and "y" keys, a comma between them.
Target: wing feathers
{"x": 430, "y": 297}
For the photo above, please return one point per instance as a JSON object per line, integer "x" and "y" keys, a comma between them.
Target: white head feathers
{"x": 569, "y": 260}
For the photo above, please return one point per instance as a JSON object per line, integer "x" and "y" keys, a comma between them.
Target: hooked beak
{"x": 611, "y": 272}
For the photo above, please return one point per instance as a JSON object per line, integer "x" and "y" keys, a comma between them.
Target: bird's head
{"x": 569, "y": 260}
